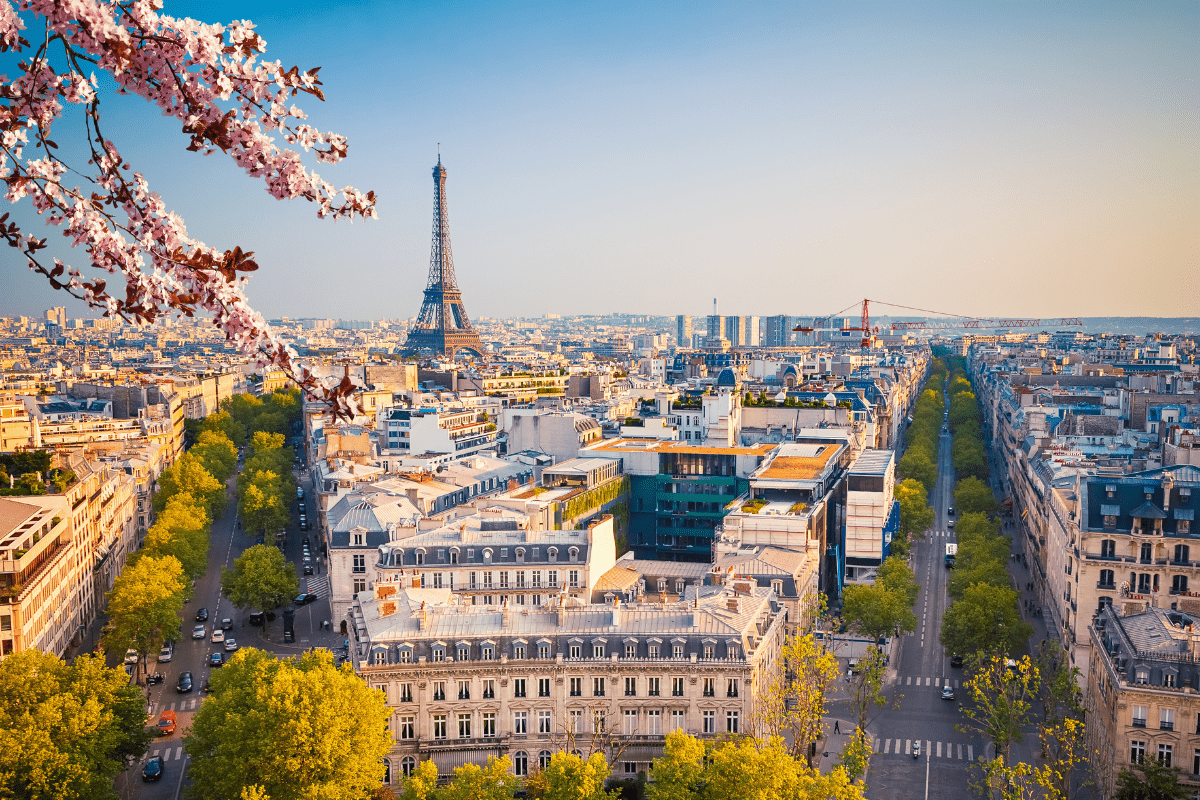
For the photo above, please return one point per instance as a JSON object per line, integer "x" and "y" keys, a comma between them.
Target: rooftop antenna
{"x": 439, "y": 152}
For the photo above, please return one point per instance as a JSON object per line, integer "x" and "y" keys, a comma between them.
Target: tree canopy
{"x": 189, "y": 475}
{"x": 295, "y": 728}
{"x": 985, "y": 621}
{"x": 885, "y": 607}
{"x": 144, "y": 606}
{"x": 261, "y": 579}
{"x": 66, "y": 730}
{"x": 181, "y": 530}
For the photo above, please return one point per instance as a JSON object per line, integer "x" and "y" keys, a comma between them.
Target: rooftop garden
{"x": 31, "y": 473}
{"x": 754, "y": 506}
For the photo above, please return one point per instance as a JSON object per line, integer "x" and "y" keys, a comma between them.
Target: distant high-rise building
{"x": 683, "y": 330}
{"x": 716, "y": 326}
{"x": 735, "y": 331}
{"x": 57, "y": 315}
{"x": 778, "y": 331}
{"x": 750, "y": 325}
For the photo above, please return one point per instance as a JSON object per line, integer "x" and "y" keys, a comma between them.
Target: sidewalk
{"x": 829, "y": 748}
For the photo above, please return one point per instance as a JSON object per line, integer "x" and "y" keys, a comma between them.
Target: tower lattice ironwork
{"x": 443, "y": 325}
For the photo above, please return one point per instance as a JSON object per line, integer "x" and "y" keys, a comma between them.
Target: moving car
{"x": 950, "y": 511}
{"x": 227, "y": 624}
{"x": 256, "y": 617}
{"x": 308, "y": 570}
{"x": 164, "y": 655}
{"x": 185, "y": 683}
{"x": 202, "y": 615}
{"x": 956, "y": 661}
{"x": 217, "y": 636}
{"x": 153, "y": 770}
{"x": 231, "y": 645}
{"x": 198, "y": 632}
{"x": 950, "y": 524}
{"x": 216, "y": 660}
{"x": 947, "y": 692}
{"x": 305, "y": 599}
{"x": 166, "y": 723}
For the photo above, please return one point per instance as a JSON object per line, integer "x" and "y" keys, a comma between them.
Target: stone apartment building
{"x": 1142, "y": 695}
{"x": 466, "y": 682}
{"x": 59, "y": 556}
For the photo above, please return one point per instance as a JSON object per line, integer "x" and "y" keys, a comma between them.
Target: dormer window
{"x": 552, "y": 553}
{"x": 487, "y": 556}
{"x": 573, "y": 553}
{"x": 454, "y": 556}
{"x": 358, "y": 539}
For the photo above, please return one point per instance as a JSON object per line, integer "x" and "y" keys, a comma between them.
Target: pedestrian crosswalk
{"x": 940, "y": 534}
{"x": 922, "y": 680}
{"x": 318, "y": 585}
{"x": 167, "y": 754}
{"x": 904, "y": 747}
{"x": 181, "y": 705}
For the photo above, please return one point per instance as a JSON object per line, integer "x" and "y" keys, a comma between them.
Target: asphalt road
{"x": 918, "y": 673}
{"x": 226, "y": 544}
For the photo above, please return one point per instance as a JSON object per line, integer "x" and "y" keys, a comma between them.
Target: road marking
{"x": 155, "y": 753}
{"x": 887, "y": 746}
{"x": 970, "y": 753}
{"x": 960, "y": 752}
{"x": 875, "y": 744}
{"x": 178, "y": 753}
{"x": 927, "y": 680}
{"x": 907, "y": 746}
{"x": 167, "y": 754}
{"x": 939, "y": 749}
{"x": 909, "y": 681}
{"x": 172, "y": 707}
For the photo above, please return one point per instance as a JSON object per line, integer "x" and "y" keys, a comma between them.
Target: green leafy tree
{"x": 569, "y": 777}
{"x": 66, "y": 730}
{"x": 866, "y": 688}
{"x": 472, "y": 782}
{"x": 975, "y": 497}
{"x": 915, "y": 514}
{"x": 916, "y": 465}
{"x": 261, "y": 505}
{"x": 896, "y": 576}
{"x": 144, "y": 606}
{"x": 420, "y": 785}
{"x": 297, "y": 728}
{"x": 679, "y": 773}
{"x": 1157, "y": 782}
{"x": 791, "y": 703}
{"x": 856, "y": 755}
{"x": 877, "y": 610}
{"x": 986, "y": 621}
{"x": 188, "y": 475}
{"x": 182, "y": 531}
{"x": 217, "y": 453}
{"x": 223, "y": 422}
{"x": 1001, "y": 704}
{"x": 261, "y": 579}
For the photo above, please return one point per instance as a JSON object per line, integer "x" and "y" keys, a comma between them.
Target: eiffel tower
{"x": 443, "y": 325}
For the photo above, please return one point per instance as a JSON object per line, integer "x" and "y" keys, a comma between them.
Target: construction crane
{"x": 957, "y": 321}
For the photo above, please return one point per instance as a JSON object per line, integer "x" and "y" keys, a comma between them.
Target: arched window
{"x": 520, "y": 763}
{"x": 573, "y": 553}
{"x": 408, "y": 765}
{"x": 543, "y": 759}
{"x": 387, "y": 771}
{"x": 553, "y": 553}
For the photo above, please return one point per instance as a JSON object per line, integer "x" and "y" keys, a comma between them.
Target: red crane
{"x": 955, "y": 321}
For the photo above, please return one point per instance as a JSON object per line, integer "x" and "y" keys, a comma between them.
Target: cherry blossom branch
{"x": 187, "y": 69}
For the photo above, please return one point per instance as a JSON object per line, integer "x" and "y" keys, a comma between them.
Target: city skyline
{"x": 658, "y": 152}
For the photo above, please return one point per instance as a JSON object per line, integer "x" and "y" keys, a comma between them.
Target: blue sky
{"x": 1017, "y": 159}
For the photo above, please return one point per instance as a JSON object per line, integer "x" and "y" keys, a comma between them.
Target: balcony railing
{"x": 1139, "y": 723}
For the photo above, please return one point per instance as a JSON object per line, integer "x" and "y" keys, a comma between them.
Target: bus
{"x": 951, "y": 553}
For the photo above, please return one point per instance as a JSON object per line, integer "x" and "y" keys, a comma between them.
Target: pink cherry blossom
{"x": 212, "y": 79}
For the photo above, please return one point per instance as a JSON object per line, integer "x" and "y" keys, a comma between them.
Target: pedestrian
{"x": 835, "y": 727}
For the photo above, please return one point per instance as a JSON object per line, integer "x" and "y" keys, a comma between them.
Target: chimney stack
{"x": 424, "y": 623}
{"x": 616, "y": 612}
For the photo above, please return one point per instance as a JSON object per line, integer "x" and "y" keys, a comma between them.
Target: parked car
{"x": 205, "y": 688}
{"x": 956, "y": 661}
{"x": 304, "y": 541}
{"x": 131, "y": 656}
{"x": 258, "y": 539}
{"x": 947, "y": 692}
{"x": 853, "y": 665}
{"x": 164, "y": 655}
{"x": 308, "y": 570}
{"x": 185, "y": 683}
{"x": 299, "y": 493}
{"x": 231, "y": 645}
{"x": 217, "y": 636}
{"x": 202, "y": 615}
{"x": 199, "y": 632}
{"x": 155, "y": 679}
{"x": 216, "y": 660}
{"x": 153, "y": 771}
{"x": 166, "y": 723}
{"x": 227, "y": 624}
